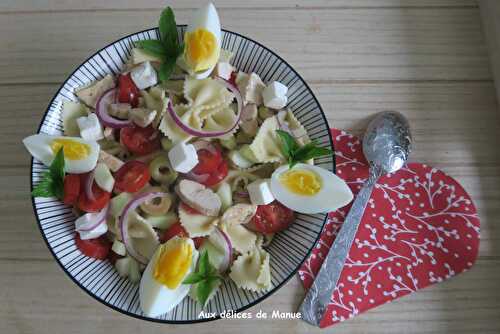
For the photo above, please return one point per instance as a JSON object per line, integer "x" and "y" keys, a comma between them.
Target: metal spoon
{"x": 386, "y": 146}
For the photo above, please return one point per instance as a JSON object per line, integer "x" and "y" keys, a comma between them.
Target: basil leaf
{"x": 288, "y": 143}
{"x": 166, "y": 68}
{"x": 193, "y": 278}
{"x": 52, "y": 184}
{"x": 204, "y": 264}
{"x": 43, "y": 189}
{"x": 205, "y": 288}
{"x": 168, "y": 32}
{"x": 153, "y": 47}
{"x": 311, "y": 151}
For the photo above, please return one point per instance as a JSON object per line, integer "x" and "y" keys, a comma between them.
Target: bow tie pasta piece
{"x": 250, "y": 87}
{"x": 231, "y": 223}
{"x": 251, "y": 270}
{"x": 207, "y": 94}
{"x": 196, "y": 225}
{"x": 170, "y": 129}
{"x": 143, "y": 237}
{"x": 70, "y": 112}
{"x": 267, "y": 146}
{"x": 221, "y": 121}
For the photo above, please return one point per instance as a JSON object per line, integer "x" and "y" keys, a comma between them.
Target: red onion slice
{"x": 123, "y": 223}
{"x": 221, "y": 241}
{"x": 200, "y": 178}
{"x": 89, "y": 182}
{"x": 199, "y": 133}
{"x": 100, "y": 218}
{"x": 101, "y": 111}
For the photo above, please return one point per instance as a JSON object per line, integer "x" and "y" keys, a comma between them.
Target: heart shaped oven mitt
{"x": 420, "y": 227}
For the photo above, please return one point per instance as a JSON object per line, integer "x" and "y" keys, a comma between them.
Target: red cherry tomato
{"x": 96, "y": 248}
{"x": 71, "y": 188}
{"x": 271, "y": 218}
{"x": 174, "y": 230}
{"x": 101, "y": 199}
{"x": 132, "y": 176}
{"x": 177, "y": 230}
{"x": 208, "y": 161}
{"x": 127, "y": 90}
{"x": 217, "y": 175}
{"x": 140, "y": 141}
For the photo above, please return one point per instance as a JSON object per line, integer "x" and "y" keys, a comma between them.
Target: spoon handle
{"x": 319, "y": 295}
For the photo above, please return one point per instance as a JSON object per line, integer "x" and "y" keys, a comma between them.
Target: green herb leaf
{"x": 52, "y": 183}
{"x": 193, "y": 278}
{"x": 204, "y": 264}
{"x": 168, "y": 32}
{"x": 152, "y": 47}
{"x": 289, "y": 145}
{"x": 296, "y": 153}
{"x": 205, "y": 288}
{"x": 166, "y": 68}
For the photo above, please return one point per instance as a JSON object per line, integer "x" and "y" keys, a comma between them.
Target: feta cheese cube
{"x": 144, "y": 75}
{"x": 85, "y": 222}
{"x": 183, "y": 157}
{"x": 90, "y": 127}
{"x": 103, "y": 177}
{"x": 260, "y": 192}
{"x": 224, "y": 70}
{"x": 274, "y": 95}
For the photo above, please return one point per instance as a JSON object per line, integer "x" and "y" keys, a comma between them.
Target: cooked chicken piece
{"x": 142, "y": 117}
{"x": 109, "y": 133}
{"x": 111, "y": 161}
{"x": 249, "y": 123}
{"x": 238, "y": 214}
{"x": 91, "y": 93}
{"x": 199, "y": 197}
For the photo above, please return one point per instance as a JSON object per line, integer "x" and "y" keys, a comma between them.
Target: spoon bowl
{"x": 387, "y": 142}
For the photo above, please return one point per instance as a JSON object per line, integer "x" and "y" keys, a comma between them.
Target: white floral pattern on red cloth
{"x": 420, "y": 227}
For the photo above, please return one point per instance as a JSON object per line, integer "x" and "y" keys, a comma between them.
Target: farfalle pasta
{"x": 251, "y": 270}
{"x": 196, "y": 225}
{"x": 266, "y": 146}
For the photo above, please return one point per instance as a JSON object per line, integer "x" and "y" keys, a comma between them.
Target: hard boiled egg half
{"x": 309, "y": 189}
{"x": 202, "y": 42}
{"x": 161, "y": 286}
{"x": 80, "y": 155}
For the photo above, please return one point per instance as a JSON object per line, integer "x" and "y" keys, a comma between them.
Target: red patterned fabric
{"x": 420, "y": 228}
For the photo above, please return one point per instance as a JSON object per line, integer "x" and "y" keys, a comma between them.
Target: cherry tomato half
{"x": 132, "y": 176}
{"x": 140, "y": 141}
{"x": 71, "y": 188}
{"x": 207, "y": 161}
{"x": 127, "y": 90}
{"x": 101, "y": 199}
{"x": 217, "y": 175}
{"x": 177, "y": 230}
{"x": 96, "y": 248}
{"x": 271, "y": 218}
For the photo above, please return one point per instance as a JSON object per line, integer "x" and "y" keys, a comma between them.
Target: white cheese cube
{"x": 224, "y": 70}
{"x": 103, "y": 177}
{"x": 83, "y": 223}
{"x": 144, "y": 75}
{"x": 260, "y": 192}
{"x": 274, "y": 95}
{"x": 90, "y": 127}
{"x": 183, "y": 157}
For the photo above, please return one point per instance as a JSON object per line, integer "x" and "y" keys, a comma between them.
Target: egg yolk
{"x": 202, "y": 51}
{"x": 73, "y": 150}
{"x": 301, "y": 182}
{"x": 173, "y": 263}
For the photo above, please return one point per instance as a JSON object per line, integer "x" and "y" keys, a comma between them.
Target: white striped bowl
{"x": 99, "y": 278}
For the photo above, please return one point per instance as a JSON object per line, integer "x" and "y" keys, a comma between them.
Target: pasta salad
{"x": 181, "y": 169}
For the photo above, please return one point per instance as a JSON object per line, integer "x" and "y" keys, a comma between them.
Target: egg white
{"x": 206, "y": 17}
{"x": 39, "y": 147}
{"x": 157, "y": 299}
{"x": 334, "y": 192}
